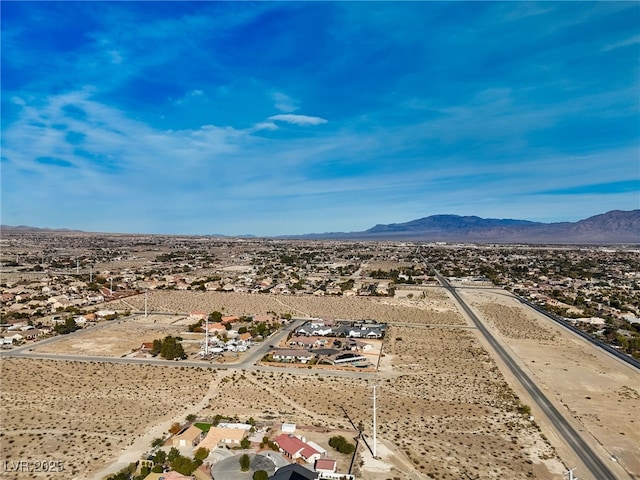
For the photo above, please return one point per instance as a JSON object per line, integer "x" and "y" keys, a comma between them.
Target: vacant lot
{"x": 116, "y": 339}
{"x": 83, "y": 414}
{"x": 429, "y": 305}
{"x": 600, "y": 392}
{"x": 444, "y": 409}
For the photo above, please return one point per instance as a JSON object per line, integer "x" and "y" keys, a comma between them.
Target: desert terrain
{"x": 445, "y": 409}
{"x": 600, "y": 392}
{"x": 84, "y": 413}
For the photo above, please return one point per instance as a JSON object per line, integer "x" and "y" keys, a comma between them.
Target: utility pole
{"x": 77, "y": 266}
{"x": 374, "y": 422}
{"x": 206, "y": 336}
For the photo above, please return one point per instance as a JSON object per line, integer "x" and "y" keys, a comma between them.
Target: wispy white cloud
{"x": 410, "y": 121}
{"x": 188, "y": 97}
{"x": 623, "y": 43}
{"x": 303, "y": 120}
{"x": 284, "y": 103}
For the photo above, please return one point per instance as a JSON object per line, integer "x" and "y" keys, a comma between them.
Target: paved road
{"x": 572, "y": 438}
{"x": 247, "y": 362}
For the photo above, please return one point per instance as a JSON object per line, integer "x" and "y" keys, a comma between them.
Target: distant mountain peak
{"x": 614, "y": 227}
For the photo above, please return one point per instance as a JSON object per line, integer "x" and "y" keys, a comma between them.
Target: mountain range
{"x": 614, "y": 227}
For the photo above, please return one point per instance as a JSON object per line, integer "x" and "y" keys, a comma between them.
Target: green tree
{"x": 245, "y": 443}
{"x": 68, "y": 326}
{"x": 215, "y": 316}
{"x": 184, "y": 465}
{"x": 260, "y": 475}
{"x": 157, "y": 442}
{"x": 201, "y": 454}
{"x": 245, "y": 462}
{"x": 173, "y": 454}
{"x": 191, "y": 417}
{"x": 341, "y": 445}
{"x": 157, "y": 346}
{"x": 157, "y": 469}
{"x": 160, "y": 457}
{"x": 171, "y": 348}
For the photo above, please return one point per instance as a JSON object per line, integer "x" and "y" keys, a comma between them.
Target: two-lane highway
{"x": 583, "y": 451}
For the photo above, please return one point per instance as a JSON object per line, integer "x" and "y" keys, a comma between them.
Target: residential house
{"x": 307, "y": 342}
{"x": 293, "y": 472}
{"x": 14, "y": 338}
{"x": 347, "y": 358}
{"x": 197, "y": 315}
{"x": 359, "y": 345}
{"x": 189, "y": 437}
{"x": 295, "y": 448}
{"x": 6, "y": 297}
{"x": 31, "y": 334}
{"x": 291, "y": 355}
{"x": 288, "y": 427}
{"x": 245, "y": 337}
{"x": 175, "y": 476}
{"x": 325, "y": 465}
{"x": 171, "y": 475}
{"x": 314, "y": 329}
{"x": 217, "y": 436}
{"x": 364, "y": 332}
{"x": 215, "y": 327}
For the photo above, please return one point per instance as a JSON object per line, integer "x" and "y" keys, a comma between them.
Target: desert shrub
{"x": 342, "y": 445}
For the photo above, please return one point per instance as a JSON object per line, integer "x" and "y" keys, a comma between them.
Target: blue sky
{"x": 286, "y": 118}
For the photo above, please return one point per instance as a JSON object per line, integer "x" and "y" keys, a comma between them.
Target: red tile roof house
{"x": 215, "y": 327}
{"x": 175, "y": 476}
{"x": 244, "y": 336}
{"x": 230, "y": 319}
{"x": 198, "y": 315}
{"x": 325, "y": 465}
{"x": 294, "y": 448}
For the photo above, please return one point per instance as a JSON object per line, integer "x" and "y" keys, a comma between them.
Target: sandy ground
{"x": 445, "y": 411}
{"x": 433, "y": 308}
{"x": 600, "y": 392}
{"x": 117, "y": 339}
{"x": 84, "y": 414}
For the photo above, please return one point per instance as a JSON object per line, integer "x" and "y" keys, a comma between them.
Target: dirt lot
{"x": 429, "y": 305}
{"x": 445, "y": 411}
{"x": 117, "y": 339}
{"x": 83, "y": 414}
{"x": 600, "y": 392}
